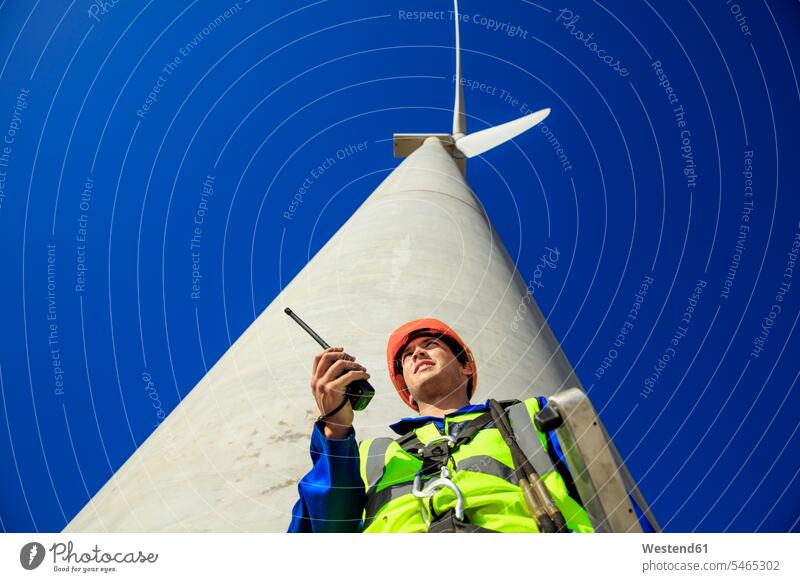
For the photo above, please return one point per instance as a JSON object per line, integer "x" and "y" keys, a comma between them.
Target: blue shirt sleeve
{"x": 332, "y": 493}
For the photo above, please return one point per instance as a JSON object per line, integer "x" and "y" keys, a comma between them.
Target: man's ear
{"x": 467, "y": 370}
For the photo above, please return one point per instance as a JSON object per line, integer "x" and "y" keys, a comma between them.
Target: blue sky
{"x": 668, "y": 159}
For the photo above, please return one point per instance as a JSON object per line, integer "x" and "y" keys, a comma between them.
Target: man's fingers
{"x": 340, "y": 366}
{"x": 328, "y": 358}
{"x": 351, "y": 376}
{"x": 319, "y": 356}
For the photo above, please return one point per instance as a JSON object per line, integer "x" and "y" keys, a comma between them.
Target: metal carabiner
{"x": 430, "y": 489}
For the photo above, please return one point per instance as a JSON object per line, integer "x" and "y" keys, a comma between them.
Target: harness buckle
{"x": 432, "y": 450}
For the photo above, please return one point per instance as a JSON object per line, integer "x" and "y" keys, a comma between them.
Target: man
{"x": 426, "y": 480}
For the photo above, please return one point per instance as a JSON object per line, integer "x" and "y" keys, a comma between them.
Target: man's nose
{"x": 419, "y": 353}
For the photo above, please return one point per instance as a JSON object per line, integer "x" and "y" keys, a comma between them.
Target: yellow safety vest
{"x": 481, "y": 468}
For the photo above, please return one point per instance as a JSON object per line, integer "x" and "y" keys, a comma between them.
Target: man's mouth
{"x": 422, "y": 365}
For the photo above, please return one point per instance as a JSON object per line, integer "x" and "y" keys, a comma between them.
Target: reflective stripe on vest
{"x": 376, "y": 460}
{"x": 482, "y": 470}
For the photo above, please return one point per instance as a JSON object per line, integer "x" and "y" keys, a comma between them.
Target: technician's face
{"x": 431, "y": 370}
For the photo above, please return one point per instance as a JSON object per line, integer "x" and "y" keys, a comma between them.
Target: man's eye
{"x": 426, "y": 344}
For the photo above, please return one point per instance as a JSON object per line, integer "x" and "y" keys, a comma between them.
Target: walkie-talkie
{"x": 359, "y": 392}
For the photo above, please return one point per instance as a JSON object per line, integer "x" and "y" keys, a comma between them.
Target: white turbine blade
{"x": 459, "y": 114}
{"x": 476, "y": 143}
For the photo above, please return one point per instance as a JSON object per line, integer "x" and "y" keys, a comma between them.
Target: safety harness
{"x": 435, "y": 474}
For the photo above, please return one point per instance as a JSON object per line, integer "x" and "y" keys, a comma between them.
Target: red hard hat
{"x": 414, "y": 329}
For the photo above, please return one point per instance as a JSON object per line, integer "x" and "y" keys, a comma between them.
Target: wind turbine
{"x": 229, "y": 456}
{"x": 458, "y": 143}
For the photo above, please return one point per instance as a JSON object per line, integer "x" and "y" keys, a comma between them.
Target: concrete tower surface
{"x": 228, "y": 458}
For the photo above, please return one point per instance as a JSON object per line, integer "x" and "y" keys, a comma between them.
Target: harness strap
{"x": 463, "y": 433}
{"x": 528, "y": 439}
{"x": 434, "y": 457}
{"x": 435, "y": 454}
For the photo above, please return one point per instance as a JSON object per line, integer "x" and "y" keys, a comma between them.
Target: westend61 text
{"x": 673, "y": 549}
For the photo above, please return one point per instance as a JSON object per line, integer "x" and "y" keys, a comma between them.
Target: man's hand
{"x": 333, "y": 370}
